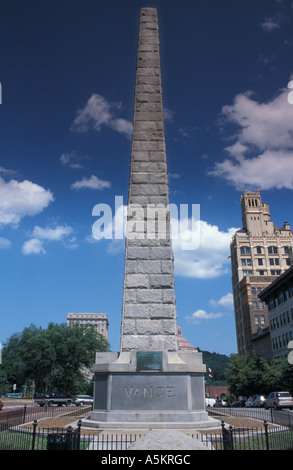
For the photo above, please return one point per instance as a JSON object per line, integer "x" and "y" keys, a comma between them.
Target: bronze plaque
{"x": 149, "y": 360}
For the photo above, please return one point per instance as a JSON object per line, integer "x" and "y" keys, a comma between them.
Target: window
{"x": 273, "y": 249}
{"x": 262, "y": 319}
{"x": 254, "y": 305}
{"x": 260, "y": 261}
{"x": 259, "y": 250}
{"x": 247, "y": 273}
{"x": 275, "y": 273}
{"x": 286, "y": 250}
{"x": 253, "y": 291}
{"x": 246, "y": 261}
{"x": 245, "y": 250}
{"x": 255, "y": 319}
{"x": 260, "y": 305}
{"x": 274, "y": 262}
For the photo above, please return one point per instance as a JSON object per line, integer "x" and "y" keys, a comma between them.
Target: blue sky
{"x": 67, "y": 72}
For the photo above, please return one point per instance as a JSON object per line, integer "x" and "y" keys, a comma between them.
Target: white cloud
{"x": 272, "y": 23}
{"x": 99, "y": 112}
{"x": 91, "y": 183}
{"x": 122, "y": 126}
{"x": 72, "y": 160}
{"x": 200, "y": 315}
{"x": 4, "y": 243}
{"x": 52, "y": 234}
{"x": 20, "y": 199}
{"x": 5, "y": 171}
{"x": 168, "y": 114}
{"x": 262, "y": 154}
{"x": 59, "y": 233}
{"x": 210, "y": 259}
{"x": 33, "y": 246}
{"x": 272, "y": 169}
{"x": 225, "y": 301}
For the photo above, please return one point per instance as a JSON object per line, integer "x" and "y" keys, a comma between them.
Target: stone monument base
{"x": 149, "y": 389}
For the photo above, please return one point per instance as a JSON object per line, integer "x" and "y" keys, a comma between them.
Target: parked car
{"x": 219, "y": 403}
{"x": 52, "y": 398}
{"x": 249, "y": 402}
{"x": 279, "y": 400}
{"x": 239, "y": 404}
{"x": 259, "y": 402}
{"x": 1, "y": 405}
{"x": 81, "y": 400}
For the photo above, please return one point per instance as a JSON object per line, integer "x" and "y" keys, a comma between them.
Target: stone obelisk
{"x": 149, "y": 312}
{"x": 148, "y": 383}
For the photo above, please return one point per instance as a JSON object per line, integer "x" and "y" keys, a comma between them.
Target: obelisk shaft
{"x": 149, "y": 310}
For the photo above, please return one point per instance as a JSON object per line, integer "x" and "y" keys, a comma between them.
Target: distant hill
{"x": 218, "y": 364}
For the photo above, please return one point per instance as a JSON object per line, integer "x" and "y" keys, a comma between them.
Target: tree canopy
{"x": 253, "y": 375}
{"x": 52, "y": 358}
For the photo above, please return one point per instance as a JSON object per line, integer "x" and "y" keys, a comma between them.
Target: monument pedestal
{"x": 151, "y": 389}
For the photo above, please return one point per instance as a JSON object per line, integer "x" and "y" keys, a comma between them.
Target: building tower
{"x": 260, "y": 251}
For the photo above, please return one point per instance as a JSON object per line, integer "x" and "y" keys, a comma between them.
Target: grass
{"x": 253, "y": 440}
{"x": 13, "y": 440}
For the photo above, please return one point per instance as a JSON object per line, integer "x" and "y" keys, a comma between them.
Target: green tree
{"x": 53, "y": 357}
{"x": 285, "y": 373}
{"x": 251, "y": 374}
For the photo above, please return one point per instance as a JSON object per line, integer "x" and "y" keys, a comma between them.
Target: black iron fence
{"x": 264, "y": 438}
{"x": 28, "y": 414}
{"x": 281, "y": 417}
{"x": 33, "y": 437}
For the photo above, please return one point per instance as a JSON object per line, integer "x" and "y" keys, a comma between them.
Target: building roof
{"x": 183, "y": 344}
{"x": 287, "y": 276}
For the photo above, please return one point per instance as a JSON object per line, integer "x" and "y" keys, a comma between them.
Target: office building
{"x": 98, "y": 320}
{"x": 260, "y": 251}
{"x": 278, "y": 296}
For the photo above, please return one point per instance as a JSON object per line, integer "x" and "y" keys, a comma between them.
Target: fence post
{"x": 24, "y": 413}
{"x": 34, "y": 433}
{"x": 78, "y": 434}
{"x": 227, "y": 437}
{"x": 266, "y": 434}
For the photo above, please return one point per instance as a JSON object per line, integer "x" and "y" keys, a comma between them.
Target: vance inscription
{"x": 150, "y": 392}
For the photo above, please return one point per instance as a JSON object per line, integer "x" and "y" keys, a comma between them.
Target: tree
{"x": 251, "y": 375}
{"x": 52, "y": 357}
{"x": 285, "y": 375}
